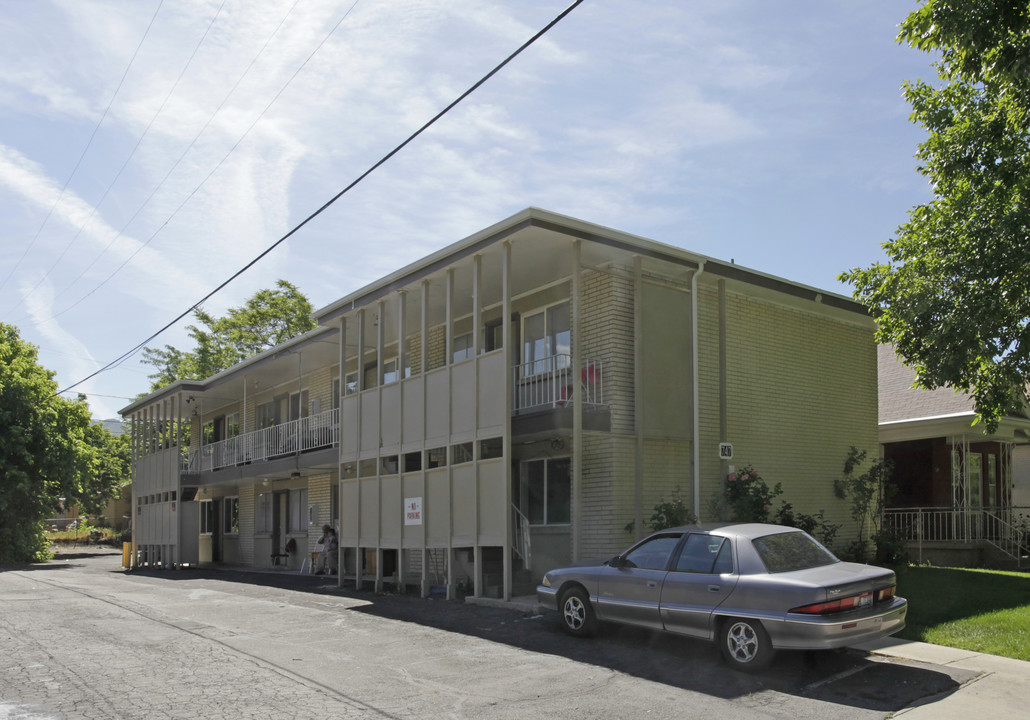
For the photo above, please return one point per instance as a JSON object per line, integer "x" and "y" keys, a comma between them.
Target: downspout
{"x": 696, "y": 387}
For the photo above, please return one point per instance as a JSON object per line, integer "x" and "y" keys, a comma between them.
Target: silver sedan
{"x": 753, "y": 588}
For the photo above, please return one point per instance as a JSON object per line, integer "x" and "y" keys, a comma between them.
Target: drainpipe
{"x": 696, "y": 387}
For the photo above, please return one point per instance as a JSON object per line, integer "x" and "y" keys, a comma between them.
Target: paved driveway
{"x": 82, "y": 639}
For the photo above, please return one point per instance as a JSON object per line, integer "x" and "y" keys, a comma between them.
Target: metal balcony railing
{"x": 1006, "y": 528}
{"x": 550, "y": 383}
{"x": 308, "y": 433}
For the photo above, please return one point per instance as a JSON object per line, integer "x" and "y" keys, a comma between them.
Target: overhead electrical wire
{"x": 89, "y": 144}
{"x": 126, "y": 355}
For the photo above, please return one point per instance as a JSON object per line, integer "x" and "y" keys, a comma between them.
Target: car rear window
{"x": 788, "y": 551}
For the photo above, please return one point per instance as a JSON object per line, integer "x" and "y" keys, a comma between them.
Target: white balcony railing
{"x": 549, "y": 383}
{"x": 309, "y": 433}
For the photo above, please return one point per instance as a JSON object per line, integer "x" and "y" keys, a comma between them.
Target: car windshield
{"x": 788, "y": 551}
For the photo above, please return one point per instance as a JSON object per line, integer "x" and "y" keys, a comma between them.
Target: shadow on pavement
{"x": 844, "y": 677}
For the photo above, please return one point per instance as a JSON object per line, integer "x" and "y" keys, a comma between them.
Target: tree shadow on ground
{"x": 845, "y": 677}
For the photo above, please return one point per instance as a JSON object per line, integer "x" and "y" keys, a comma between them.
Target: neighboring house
{"x": 504, "y": 406}
{"x": 956, "y": 486}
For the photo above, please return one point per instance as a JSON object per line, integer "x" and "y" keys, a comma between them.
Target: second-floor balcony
{"x": 550, "y": 382}
{"x": 314, "y": 432}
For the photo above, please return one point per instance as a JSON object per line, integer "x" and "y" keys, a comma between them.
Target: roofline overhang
{"x": 581, "y": 230}
{"x": 951, "y": 425}
{"x": 251, "y": 362}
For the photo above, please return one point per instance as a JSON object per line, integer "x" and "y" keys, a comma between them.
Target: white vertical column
{"x": 577, "y": 407}
{"x": 508, "y": 390}
{"x": 424, "y": 365}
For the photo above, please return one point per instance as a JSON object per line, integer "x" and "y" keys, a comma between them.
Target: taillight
{"x": 833, "y": 606}
{"x": 885, "y": 594}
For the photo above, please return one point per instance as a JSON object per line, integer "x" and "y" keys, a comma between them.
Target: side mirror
{"x": 616, "y": 562}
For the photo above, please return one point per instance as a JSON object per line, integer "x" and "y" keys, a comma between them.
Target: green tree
{"x": 49, "y": 448}
{"x": 954, "y": 298}
{"x": 869, "y": 493}
{"x": 268, "y": 318}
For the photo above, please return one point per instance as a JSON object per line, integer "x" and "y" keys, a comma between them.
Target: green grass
{"x": 982, "y": 610}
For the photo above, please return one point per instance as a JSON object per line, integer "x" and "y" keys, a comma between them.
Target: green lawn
{"x": 982, "y": 610}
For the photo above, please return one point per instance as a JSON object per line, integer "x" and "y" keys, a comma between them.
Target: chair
{"x": 309, "y": 563}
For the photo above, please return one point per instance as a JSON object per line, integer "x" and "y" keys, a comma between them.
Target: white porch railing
{"x": 309, "y": 433}
{"x": 549, "y": 382}
{"x": 1006, "y": 528}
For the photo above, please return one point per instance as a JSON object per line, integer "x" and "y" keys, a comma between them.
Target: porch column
{"x": 477, "y": 286}
{"x": 638, "y": 401}
{"x": 506, "y": 450}
{"x": 337, "y": 402}
{"x": 577, "y": 408}
{"x": 357, "y": 432}
{"x": 449, "y": 361}
{"x": 423, "y": 354}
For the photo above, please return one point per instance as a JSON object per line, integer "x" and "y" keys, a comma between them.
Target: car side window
{"x": 701, "y": 554}
{"x": 652, "y": 554}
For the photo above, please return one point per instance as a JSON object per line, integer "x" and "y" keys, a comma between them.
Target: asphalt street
{"x": 81, "y": 638}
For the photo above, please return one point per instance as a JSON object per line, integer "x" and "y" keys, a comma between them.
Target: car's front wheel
{"x": 745, "y": 644}
{"x": 577, "y": 616}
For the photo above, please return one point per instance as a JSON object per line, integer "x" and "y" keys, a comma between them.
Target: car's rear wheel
{"x": 577, "y": 616}
{"x": 745, "y": 644}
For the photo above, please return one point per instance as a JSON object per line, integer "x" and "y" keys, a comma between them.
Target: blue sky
{"x": 774, "y": 134}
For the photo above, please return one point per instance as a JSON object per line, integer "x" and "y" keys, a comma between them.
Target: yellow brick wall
{"x": 801, "y": 389}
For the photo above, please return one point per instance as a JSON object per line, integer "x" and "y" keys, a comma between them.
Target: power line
{"x": 89, "y": 143}
{"x": 337, "y": 196}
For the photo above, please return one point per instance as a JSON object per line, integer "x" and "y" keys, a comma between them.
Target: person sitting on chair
{"x": 326, "y": 562}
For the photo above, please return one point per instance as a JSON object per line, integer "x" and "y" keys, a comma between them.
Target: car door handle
{"x": 652, "y": 584}
{"x": 714, "y": 588}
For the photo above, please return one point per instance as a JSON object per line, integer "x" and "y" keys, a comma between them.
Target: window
{"x": 299, "y": 405}
{"x": 491, "y": 448}
{"x": 267, "y": 414}
{"x": 231, "y": 515}
{"x": 461, "y": 453}
{"x": 336, "y": 393}
{"x": 493, "y": 335}
{"x": 390, "y": 371}
{"x": 547, "y": 340}
{"x": 350, "y": 383}
{"x": 436, "y": 457}
{"x": 371, "y": 376}
{"x": 653, "y": 554}
{"x": 462, "y": 347}
{"x": 207, "y": 517}
{"x": 298, "y": 510}
{"x": 367, "y": 468}
{"x": 783, "y": 552}
{"x": 349, "y": 470}
{"x": 548, "y": 487}
{"x": 388, "y": 465}
{"x": 412, "y": 461}
{"x": 232, "y": 425}
{"x": 701, "y": 552}
{"x": 263, "y": 513}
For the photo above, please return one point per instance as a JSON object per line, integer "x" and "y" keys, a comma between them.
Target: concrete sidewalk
{"x": 1000, "y": 690}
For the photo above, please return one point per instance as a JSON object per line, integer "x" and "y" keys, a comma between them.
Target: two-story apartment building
{"x": 504, "y": 406}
